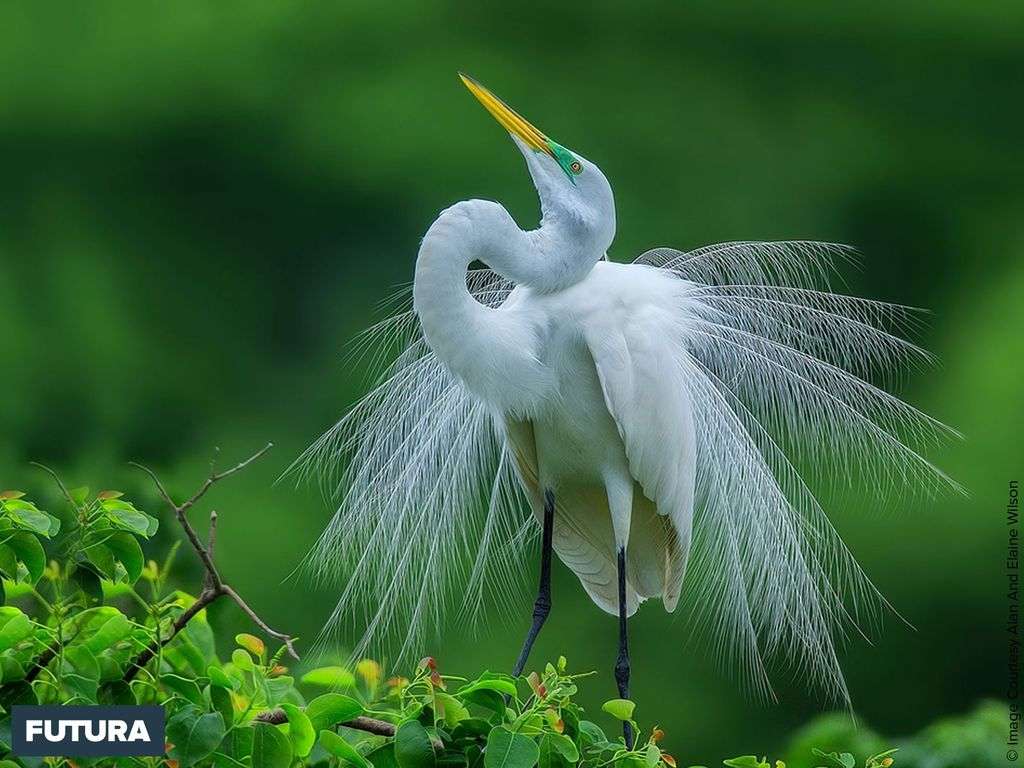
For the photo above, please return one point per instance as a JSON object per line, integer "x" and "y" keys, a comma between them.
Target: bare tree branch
{"x": 211, "y": 541}
{"x": 205, "y": 598}
{"x": 218, "y": 476}
{"x": 211, "y": 534}
{"x": 213, "y": 589}
{"x": 366, "y": 724}
{"x": 213, "y": 585}
{"x": 286, "y": 639}
{"x": 60, "y": 483}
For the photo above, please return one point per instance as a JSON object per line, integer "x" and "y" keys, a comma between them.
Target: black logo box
{"x": 40, "y": 746}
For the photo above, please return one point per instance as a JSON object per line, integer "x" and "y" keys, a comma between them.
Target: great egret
{"x": 652, "y": 415}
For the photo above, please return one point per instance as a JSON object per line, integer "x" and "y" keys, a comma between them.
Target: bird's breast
{"x": 577, "y": 440}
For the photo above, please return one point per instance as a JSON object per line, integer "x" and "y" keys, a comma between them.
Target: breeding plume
{"x": 654, "y": 422}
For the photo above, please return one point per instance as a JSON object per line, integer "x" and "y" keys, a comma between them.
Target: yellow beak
{"x": 510, "y": 120}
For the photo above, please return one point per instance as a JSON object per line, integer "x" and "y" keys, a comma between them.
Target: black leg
{"x": 542, "y": 606}
{"x": 622, "y": 663}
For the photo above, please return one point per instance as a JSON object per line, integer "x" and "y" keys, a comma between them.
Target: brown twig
{"x": 286, "y": 639}
{"x": 60, "y": 483}
{"x": 213, "y": 585}
{"x": 146, "y": 655}
{"x": 211, "y": 541}
{"x": 366, "y": 724}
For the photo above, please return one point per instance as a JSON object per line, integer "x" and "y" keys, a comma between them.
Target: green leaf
{"x": 412, "y": 746}
{"x": 242, "y": 660}
{"x": 745, "y": 761}
{"x": 8, "y": 562}
{"x": 330, "y": 709}
{"x": 838, "y": 759}
{"x": 503, "y": 685}
{"x": 337, "y": 746}
{"x": 330, "y": 677}
{"x": 102, "y": 560}
{"x": 300, "y": 730}
{"x": 17, "y": 693}
{"x": 241, "y": 742}
{"x": 591, "y": 734}
{"x": 111, "y": 631}
{"x": 510, "y": 750}
{"x": 383, "y": 757}
{"x": 126, "y": 550}
{"x": 454, "y": 711}
{"x": 252, "y": 644}
{"x": 11, "y": 670}
{"x": 279, "y": 689}
{"x": 79, "y": 495}
{"x": 16, "y": 628}
{"x": 220, "y": 698}
{"x": 472, "y": 728}
{"x": 30, "y": 553}
{"x": 128, "y": 519}
{"x": 652, "y": 756}
{"x": 184, "y": 687}
{"x": 220, "y": 760}
{"x": 116, "y": 692}
{"x": 194, "y": 735}
{"x": 219, "y": 678}
{"x": 88, "y": 579}
{"x": 80, "y": 673}
{"x": 551, "y": 756}
{"x": 565, "y": 746}
{"x": 621, "y": 709}
{"x": 486, "y": 698}
{"x": 270, "y": 747}
{"x": 31, "y": 519}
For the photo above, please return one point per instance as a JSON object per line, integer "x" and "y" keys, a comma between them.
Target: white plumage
{"x": 672, "y": 405}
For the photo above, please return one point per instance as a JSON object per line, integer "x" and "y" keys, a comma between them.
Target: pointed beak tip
{"x": 509, "y": 119}
{"x": 469, "y": 81}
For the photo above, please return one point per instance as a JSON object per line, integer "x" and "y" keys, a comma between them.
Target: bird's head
{"x": 574, "y": 194}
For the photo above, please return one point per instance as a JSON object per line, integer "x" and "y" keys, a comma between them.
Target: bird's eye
{"x": 575, "y": 166}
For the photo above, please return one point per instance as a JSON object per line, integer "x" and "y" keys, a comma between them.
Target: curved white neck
{"x": 494, "y": 351}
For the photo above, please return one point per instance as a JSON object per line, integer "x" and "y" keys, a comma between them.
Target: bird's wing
{"x": 641, "y": 368}
{"x": 787, "y": 385}
{"x": 430, "y": 513}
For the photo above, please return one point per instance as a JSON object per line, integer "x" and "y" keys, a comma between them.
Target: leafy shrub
{"x": 101, "y": 610}
{"x": 86, "y": 619}
{"x": 97, "y": 623}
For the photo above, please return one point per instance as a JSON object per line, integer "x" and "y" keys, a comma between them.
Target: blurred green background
{"x": 202, "y": 202}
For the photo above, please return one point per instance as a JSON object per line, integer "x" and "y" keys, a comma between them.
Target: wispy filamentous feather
{"x": 784, "y": 376}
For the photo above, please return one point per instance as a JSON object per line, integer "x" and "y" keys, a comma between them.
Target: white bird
{"x": 654, "y": 416}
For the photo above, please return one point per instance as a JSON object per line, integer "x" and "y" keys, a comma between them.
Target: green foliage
{"x": 69, "y": 639}
{"x": 96, "y": 624}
